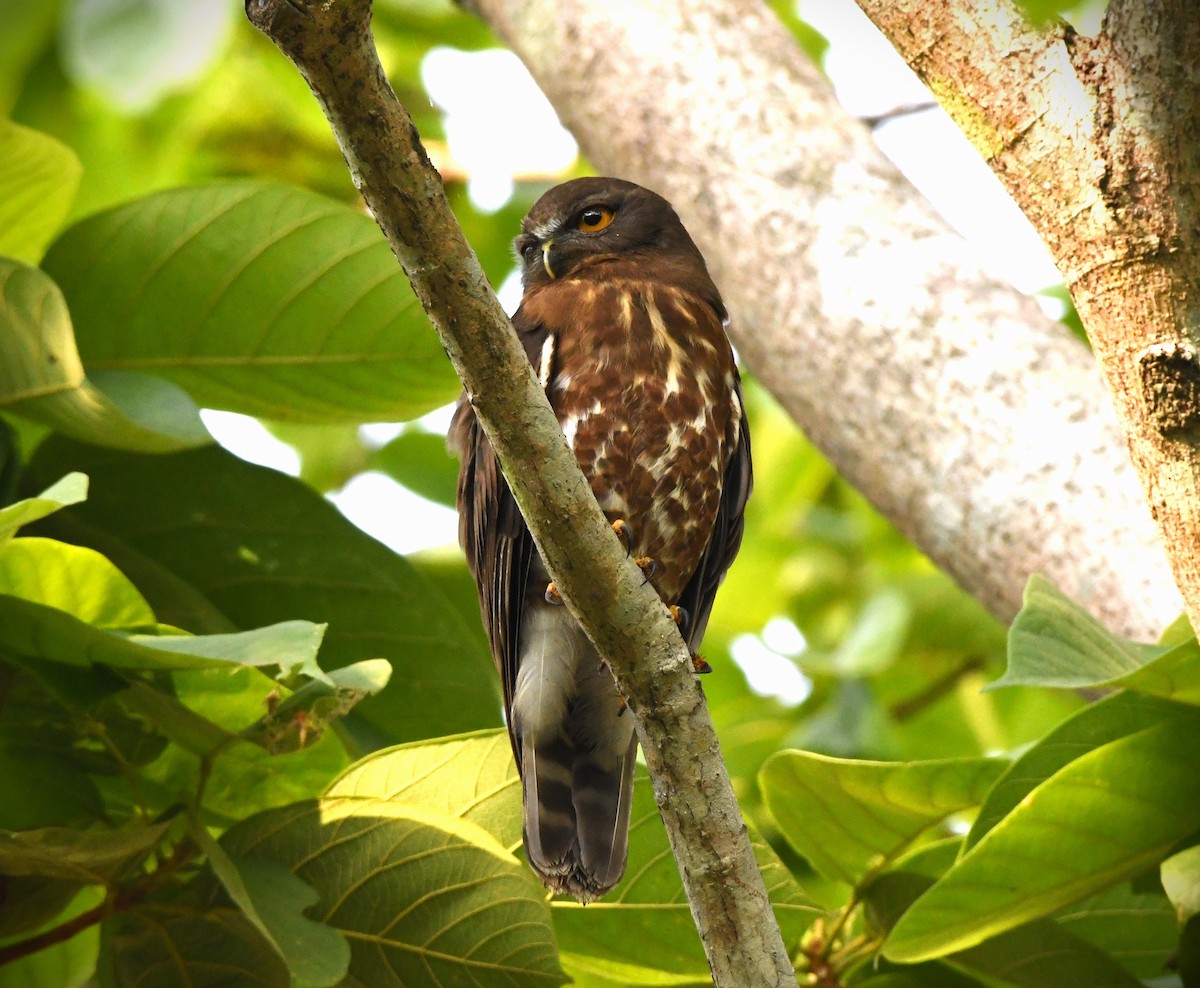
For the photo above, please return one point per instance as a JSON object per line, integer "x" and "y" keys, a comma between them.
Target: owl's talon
{"x": 552, "y": 594}
{"x": 625, "y": 533}
{"x": 647, "y": 565}
{"x": 680, "y": 616}
{"x": 700, "y": 664}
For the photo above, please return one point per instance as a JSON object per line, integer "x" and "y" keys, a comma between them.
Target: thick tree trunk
{"x": 977, "y": 425}
{"x": 1097, "y": 141}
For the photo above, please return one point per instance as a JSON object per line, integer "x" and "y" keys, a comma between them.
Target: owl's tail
{"x": 577, "y": 813}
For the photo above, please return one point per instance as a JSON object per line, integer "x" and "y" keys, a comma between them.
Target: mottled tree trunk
{"x": 976, "y": 424}
{"x": 1098, "y": 141}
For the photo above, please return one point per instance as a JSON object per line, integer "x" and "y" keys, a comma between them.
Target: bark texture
{"x": 976, "y": 424}
{"x": 1096, "y": 139}
{"x": 330, "y": 43}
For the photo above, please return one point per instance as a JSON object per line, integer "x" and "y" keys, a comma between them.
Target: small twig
{"x": 904, "y": 709}
{"x": 116, "y": 901}
{"x": 904, "y": 110}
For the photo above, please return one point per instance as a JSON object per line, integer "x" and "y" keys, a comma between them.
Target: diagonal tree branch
{"x": 1096, "y": 140}
{"x": 330, "y": 43}
{"x": 975, "y": 423}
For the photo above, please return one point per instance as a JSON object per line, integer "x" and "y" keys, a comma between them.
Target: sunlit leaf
{"x": 255, "y": 298}
{"x": 470, "y": 776}
{"x": 1181, "y": 880}
{"x": 1116, "y": 810}
{"x": 1108, "y": 720}
{"x": 71, "y": 489}
{"x": 850, "y": 817}
{"x": 38, "y": 180}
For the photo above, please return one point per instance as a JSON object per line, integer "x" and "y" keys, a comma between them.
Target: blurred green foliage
{"x": 176, "y": 755}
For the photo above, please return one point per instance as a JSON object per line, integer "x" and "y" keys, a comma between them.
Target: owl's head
{"x": 590, "y": 218}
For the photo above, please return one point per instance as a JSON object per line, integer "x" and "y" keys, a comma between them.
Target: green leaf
{"x": 176, "y": 720}
{"x": 260, "y": 547}
{"x": 39, "y": 177}
{"x": 1118, "y": 809}
{"x": 424, "y": 899}
{"x": 42, "y": 377}
{"x": 256, "y": 298}
{"x": 94, "y": 857}
{"x": 1135, "y": 927}
{"x": 316, "y": 703}
{"x": 291, "y": 645}
{"x": 71, "y": 489}
{"x": 1108, "y": 720}
{"x": 849, "y": 818}
{"x": 1181, "y": 880}
{"x": 470, "y": 776}
{"x": 274, "y": 900}
{"x": 1040, "y": 954}
{"x": 75, "y": 580}
{"x": 1055, "y": 642}
{"x": 876, "y": 638}
{"x": 420, "y": 461}
{"x": 208, "y": 947}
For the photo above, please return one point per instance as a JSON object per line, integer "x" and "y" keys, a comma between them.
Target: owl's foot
{"x": 700, "y": 664}
{"x": 625, "y": 533}
{"x": 681, "y": 617}
{"x": 552, "y": 594}
{"x": 648, "y": 565}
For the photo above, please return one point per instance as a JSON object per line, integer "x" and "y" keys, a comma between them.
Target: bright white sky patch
{"x": 768, "y": 672}
{"x": 498, "y": 123}
{"x": 394, "y": 515}
{"x": 248, "y": 438}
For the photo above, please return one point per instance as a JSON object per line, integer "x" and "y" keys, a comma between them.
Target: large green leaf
{"x": 851, "y": 817}
{"x": 1134, "y": 926}
{"x": 1108, "y": 815}
{"x": 423, "y": 898}
{"x": 259, "y": 547}
{"x": 1054, "y": 642}
{"x": 1108, "y": 720}
{"x": 1041, "y": 954}
{"x": 1181, "y": 879}
{"x": 38, "y": 180}
{"x": 420, "y": 461}
{"x": 254, "y": 297}
{"x": 42, "y": 378}
{"x": 471, "y": 776}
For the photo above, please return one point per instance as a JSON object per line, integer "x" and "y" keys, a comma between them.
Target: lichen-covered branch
{"x": 330, "y": 43}
{"x": 1096, "y": 139}
{"x": 975, "y": 423}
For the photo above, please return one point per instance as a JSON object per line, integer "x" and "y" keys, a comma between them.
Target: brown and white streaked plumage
{"x": 626, "y": 331}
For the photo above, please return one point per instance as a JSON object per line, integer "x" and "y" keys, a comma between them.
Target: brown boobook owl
{"x": 625, "y": 329}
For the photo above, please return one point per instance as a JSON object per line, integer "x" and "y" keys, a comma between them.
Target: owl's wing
{"x": 493, "y": 534}
{"x": 698, "y": 596}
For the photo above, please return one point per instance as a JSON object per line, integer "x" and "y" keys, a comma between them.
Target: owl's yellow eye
{"x": 595, "y": 218}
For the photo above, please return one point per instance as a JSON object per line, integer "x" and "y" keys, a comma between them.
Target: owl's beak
{"x": 546, "y": 257}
